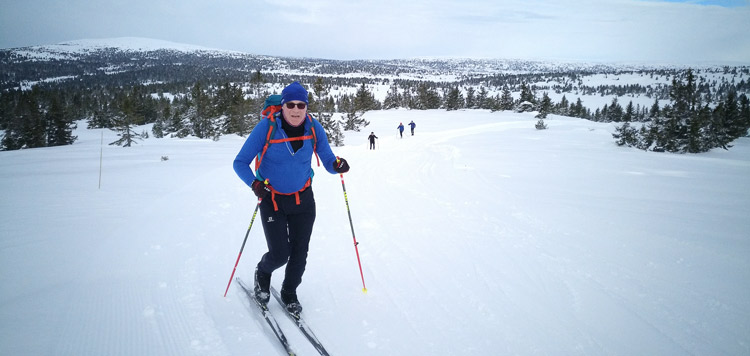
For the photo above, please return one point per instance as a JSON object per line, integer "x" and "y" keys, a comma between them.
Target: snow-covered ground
{"x": 479, "y": 235}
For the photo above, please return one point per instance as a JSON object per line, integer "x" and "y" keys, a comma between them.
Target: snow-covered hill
{"x": 478, "y": 235}
{"x": 78, "y": 49}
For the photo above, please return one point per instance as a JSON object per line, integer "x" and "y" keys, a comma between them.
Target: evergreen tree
{"x": 655, "y": 111}
{"x": 59, "y": 125}
{"x": 562, "y": 108}
{"x": 626, "y": 135}
{"x": 454, "y": 99}
{"x": 577, "y": 109}
{"x": 353, "y": 120}
{"x": 427, "y": 97}
{"x": 124, "y": 129}
{"x": 651, "y": 137}
{"x": 257, "y": 81}
{"x": 392, "y": 99}
{"x": 407, "y": 98}
{"x": 613, "y": 112}
{"x": 544, "y": 107}
{"x": 735, "y": 126}
{"x": 526, "y": 94}
{"x": 540, "y": 125}
{"x": 494, "y": 103}
{"x": 482, "y": 102}
{"x": 630, "y": 114}
{"x": 364, "y": 100}
{"x": 506, "y": 100}
{"x": 325, "y": 108}
{"x": 745, "y": 114}
{"x": 697, "y": 140}
{"x": 470, "y": 98}
{"x": 231, "y": 106}
{"x": 198, "y": 114}
{"x": 27, "y": 127}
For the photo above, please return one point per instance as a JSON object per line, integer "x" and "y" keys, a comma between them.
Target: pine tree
{"x": 540, "y": 125}
{"x": 626, "y": 135}
{"x": 325, "y": 108}
{"x": 231, "y": 106}
{"x": 454, "y": 99}
{"x": 506, "y": 99}
{"x": 27, "y": 128}
{"x": 124, "y": 129}
{"x": 544, "y": 107}
{"x": 494, "y": 103}
{"x": 745, "y": 114}
{"x": 526, "y": 94}
{"x": 470, "y": 98}
{"x": 364, "y": 100}
{"x": 482, "y": 102}
{"x": 577, "y": 109}
{"x": 630, "y": 114}
{"x": 257, "y": 81}
{"x": 59, "y": 125}
{"x": 392, "y": 99}
{"x": 353, "y": 120}
{"x": 655, "y": 111}
{"x": 407, "y": 98}
{"x": 697, "y": 140}
{"x": 613, "y": 112}
{"x": 562, "y": 108}
{"x": 732, "y": 117}
{"x": 198, "y": 114}
{"x": 427, "y": 97}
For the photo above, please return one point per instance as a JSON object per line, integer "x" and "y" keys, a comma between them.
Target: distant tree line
{"x": 688, "y": 124}
{"x": 227, "y": 101}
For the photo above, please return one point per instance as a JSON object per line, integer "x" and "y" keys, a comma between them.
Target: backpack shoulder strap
{"x": 314, "y": 138}
{"x": 271, "y": 131}
{"x": 271, "y": 106}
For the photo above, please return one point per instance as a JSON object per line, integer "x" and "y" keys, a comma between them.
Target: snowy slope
{"x": 83, "y": 47}
{"x": 479, "y": 235}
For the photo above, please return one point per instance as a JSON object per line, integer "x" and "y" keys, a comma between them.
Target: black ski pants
{"x": 287, "y": 231}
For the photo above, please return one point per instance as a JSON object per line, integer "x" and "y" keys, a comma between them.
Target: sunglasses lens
{"x": 298, "y": 105}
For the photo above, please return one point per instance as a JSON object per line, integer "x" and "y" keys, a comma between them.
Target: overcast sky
{"x": 684, "y": 32}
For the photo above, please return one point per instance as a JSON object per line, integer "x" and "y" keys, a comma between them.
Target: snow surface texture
{"x": 479, "y": 235}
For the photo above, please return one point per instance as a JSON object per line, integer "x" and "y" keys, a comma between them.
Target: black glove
{"x": 340, "y": 166}
{"x": 261, "y": 189}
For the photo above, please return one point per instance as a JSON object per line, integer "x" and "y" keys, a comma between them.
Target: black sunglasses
{"x": 298, "y": 105}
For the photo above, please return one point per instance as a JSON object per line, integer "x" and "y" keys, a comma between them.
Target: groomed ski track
{"x": 478, "y": 235}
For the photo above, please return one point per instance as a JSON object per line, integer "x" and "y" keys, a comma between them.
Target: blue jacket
{"x": 286, "y": 172}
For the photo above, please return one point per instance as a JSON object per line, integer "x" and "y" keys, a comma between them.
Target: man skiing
{"x": 412, "y": 125}
{"x": 283, "y": 183}
{"x": 372, "y": 139}
{"x": 401, "y": 129}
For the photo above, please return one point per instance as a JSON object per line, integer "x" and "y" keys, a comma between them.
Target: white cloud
{"x": 606, "y": 30}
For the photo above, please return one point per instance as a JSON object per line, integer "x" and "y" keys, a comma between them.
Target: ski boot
{"x": 262, "y": 286}
{"x": 291, "y": 302}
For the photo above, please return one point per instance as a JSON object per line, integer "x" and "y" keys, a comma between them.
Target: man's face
{"x": 294, "y": 112}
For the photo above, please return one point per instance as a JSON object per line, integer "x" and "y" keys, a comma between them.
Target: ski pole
{"x": 356, "y": 250}
{"x": 243, "y": 246}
